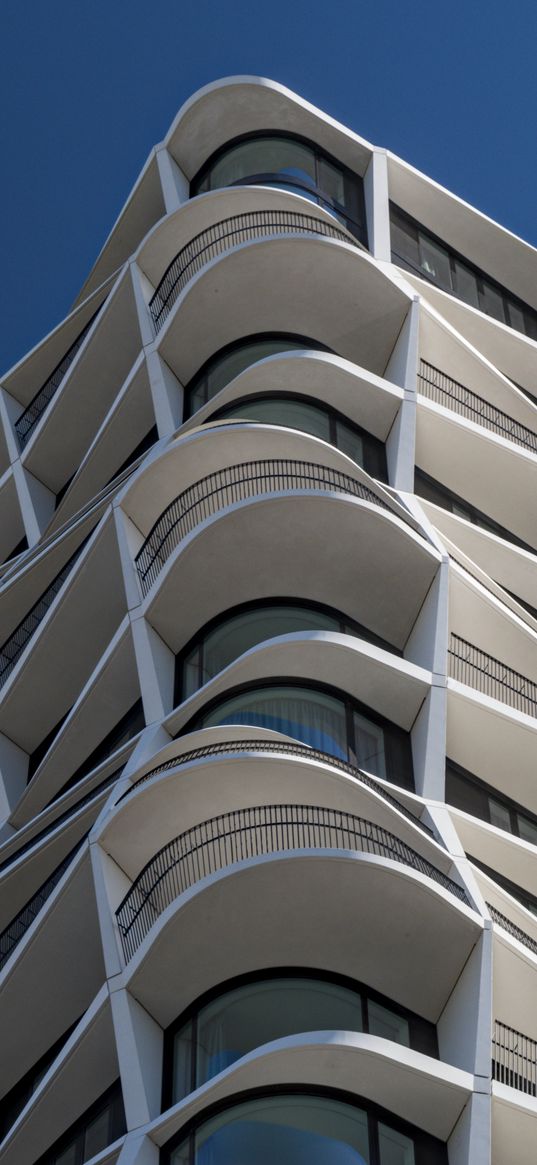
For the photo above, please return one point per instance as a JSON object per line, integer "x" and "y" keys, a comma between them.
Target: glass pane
{"x": 257, "y": 1013}
{"x": 312, "y": 717}
{"x": 466, "y": 284}
{"x": 491, "y": 302}
{"x": 527, "y": 830}
{"x": 332, "y": 181}
{"x": 516, "y": 317}
{"x": 182, "y": 1062}
{"x": 394, "y": 1147}
{"x": 243, "y": 631}
{"x": 350, "y": 442}
{"x": 295, "y": 414}
{"x": 369, "y": 745}
{"x": 404, "y": 238}
{"x": 68, "y": 1156}
{"x": 97, "y": 1135}
{"x": 191, "y": 673}
{"x": 499, "y": 815}
{"x": 294, "y": 1130}
{"x": 264, "y": 156}
{"x": 434, "y": 262}
{"x": 386, "y": 1023}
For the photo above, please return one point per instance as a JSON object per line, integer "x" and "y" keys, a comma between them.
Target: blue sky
{"x": 88, "y": 86}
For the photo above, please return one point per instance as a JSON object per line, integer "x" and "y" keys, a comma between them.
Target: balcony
{"x": 13, "y": 647}
{"x": 470, "y": 665}
{"x": 514, "y": 1059}
{"x": 226, "y": 487}
{"x": 248, "y": 833}
{"x": 25, "y": 424}
{"x": 443, "y": 390}
{"x": 224, "y": 236}
{"x": 515, "y": 931}
{"x": 12, "y": 935}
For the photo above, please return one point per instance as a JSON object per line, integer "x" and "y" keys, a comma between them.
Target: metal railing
{"x": 12, "y": 935}
{"x": 441, "y": 388}
{"x": 470, "y": 665}
{"x": 31, "y": 415}
{"x": 236, "y": 483}
{"x": 222, "y": 237}
{"x": 12, "y": 649}
{"x": 514, "y": 1059}
{"x": 285, "y": 747}
{"x": 247, "y": 833}
{"x": 512, "y": 929}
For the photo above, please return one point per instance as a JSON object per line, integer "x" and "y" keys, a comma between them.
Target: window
{"x": 231, "y": 1022}
{"x": 417, "y": 250}
{"x": 225, "y": 365}
{"x": 298, "y": 412}
{"x": 467, "y": 792}
{"x": 307, "y": 1127}
{"x": 288, "y": 163}
{"x": 237, "y": 630}
{"x": 322, "y": 718}
{"x": 102, "y": 1124}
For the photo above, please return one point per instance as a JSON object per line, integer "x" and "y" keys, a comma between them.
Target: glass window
{"x": 369, "y": 745}
{"x": 225, "y": 367}
{"x": 290, "y": 1130}
{"x": 68, "y": 1156}
{"x": 305, "y": 714}
{"x": 350, "y": 442}
{"x": 394, "y": 1147}
{"x": 434, "y": 261}
{"x": 466, "y": 283}
{"x": 404, "y": 239}
{"x": 386, "y": 1023}
{"x": 295, "y": 414}
{"x": 255, "y": 1014}
{"x": 499, "y": 815}
{"x": 243, "y": 631}
{"x": 491, "y": 302}
{"x": 97, "y": 1135}
{"x": 261, "y": 156}
{"x": 527, "y": 829}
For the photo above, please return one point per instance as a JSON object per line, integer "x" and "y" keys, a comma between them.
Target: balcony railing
{"x": 236, "y": 483}
{"x": 445, "y": 391}
{"x": 12, "y": 935}
{"x": 512, "y": 929}
{"x": 25, "y": 424}
{"x": 247, "y": 833}
{"x": 13, "y": 647}
{"x": 514, "y": 1059}
{"x": 470, "y": 665}
{"x": 285, "y": 747}
{"x": 224, "y": 236}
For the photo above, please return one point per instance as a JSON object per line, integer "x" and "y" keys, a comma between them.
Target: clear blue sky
{"x": 90, "y": 85}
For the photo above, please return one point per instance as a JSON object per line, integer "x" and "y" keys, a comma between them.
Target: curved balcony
{"x": 25, "y": 424}
{"x": 237, "y": 483}
{"x": 224, "y": 236}
{"x": 470, "y": 665}
{"x": 235, "y": 837}
{"x": 12, "y": 935}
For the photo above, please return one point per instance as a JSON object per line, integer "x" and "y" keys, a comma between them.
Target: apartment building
{"x": 268, "y": 682}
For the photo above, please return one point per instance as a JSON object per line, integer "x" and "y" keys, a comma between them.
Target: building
{"x": 269, "y": 670}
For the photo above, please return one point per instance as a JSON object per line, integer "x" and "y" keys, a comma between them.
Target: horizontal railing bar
{"x": 233, "y": 484}
{"x": 290, "y": 748}
{"x": 444, "y": 390}
{"x": 225, "y": 235}
{"x": 470, "y": 665}
{"x": 219, "y": 842}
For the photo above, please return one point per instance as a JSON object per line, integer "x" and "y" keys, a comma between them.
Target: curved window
{"x": 228, "y": 636}
{"x": 222, "y": 368}
{"x": 288, "y": 163}
{"x": 325, "y": 720}
{"x": 304, "y": 1128}
{"x": 298, "y": 412}
{"x": 251, "y": 1014}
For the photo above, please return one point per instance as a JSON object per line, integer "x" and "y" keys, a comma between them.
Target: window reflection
{"x": 222, "y": 368}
